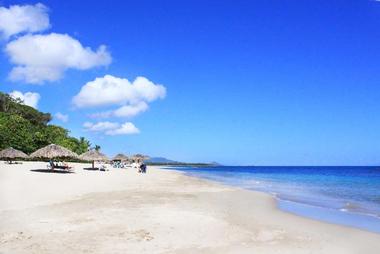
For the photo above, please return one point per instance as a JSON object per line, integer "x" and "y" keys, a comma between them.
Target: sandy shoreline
{"x": 120, "y": 211}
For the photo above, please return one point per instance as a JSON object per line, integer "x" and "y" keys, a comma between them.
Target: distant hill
{"x": 161, "y": 160}
{"x": 165, "y": 161}
{"x": 215, "y": 164}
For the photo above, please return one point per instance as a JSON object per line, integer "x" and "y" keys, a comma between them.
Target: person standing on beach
{"x": 142, "y": 168}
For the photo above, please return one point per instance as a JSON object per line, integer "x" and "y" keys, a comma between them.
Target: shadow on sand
{"x": 91, "y": 169}
{"x": 52, "y": 171}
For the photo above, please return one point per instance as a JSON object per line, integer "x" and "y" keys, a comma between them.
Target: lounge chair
{"x": 63, "y": 167}
{"x": 53, "y": 166}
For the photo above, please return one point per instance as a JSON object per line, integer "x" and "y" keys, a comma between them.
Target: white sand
{"x": 120, "y": 211}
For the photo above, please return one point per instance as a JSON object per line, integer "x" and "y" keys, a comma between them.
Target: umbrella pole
{"x": 93, "y": 164}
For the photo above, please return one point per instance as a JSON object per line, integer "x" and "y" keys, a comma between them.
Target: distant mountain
{"x": 215, "y": 164}
{"x": 165, "y": 161}
{"x": 161, "y": 160}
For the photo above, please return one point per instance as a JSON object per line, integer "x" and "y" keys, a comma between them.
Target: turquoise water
{"x": 342, "y": 195}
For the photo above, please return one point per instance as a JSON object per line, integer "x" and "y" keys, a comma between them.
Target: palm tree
{"x": 83, "y": 145}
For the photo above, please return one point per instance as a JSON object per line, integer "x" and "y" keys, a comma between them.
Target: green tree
{"x": 16, "y": 132}
{"x": 27, "y": 129}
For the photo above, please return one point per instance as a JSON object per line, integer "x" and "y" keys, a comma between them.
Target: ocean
{"x": 347, "y": 196}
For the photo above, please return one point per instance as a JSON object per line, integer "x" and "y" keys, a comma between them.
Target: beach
{"x": 121, "y": 211}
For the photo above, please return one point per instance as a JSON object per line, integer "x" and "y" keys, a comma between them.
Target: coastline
{"x": 164, "y": 211}
{"x": 297, "y": 196}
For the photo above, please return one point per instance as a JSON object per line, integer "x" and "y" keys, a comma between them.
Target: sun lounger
{"x": 63, "y": 167}
{"x": 53, "y": 166}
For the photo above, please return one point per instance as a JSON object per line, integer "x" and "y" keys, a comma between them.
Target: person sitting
{"x": 51, "y": 165}
{"x": 65, "y": 165}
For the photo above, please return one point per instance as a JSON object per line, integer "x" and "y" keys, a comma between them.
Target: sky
{"x": 236, "y": 82}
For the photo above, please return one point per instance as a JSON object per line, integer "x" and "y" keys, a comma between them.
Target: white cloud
{"x": 23, "y": 18}
{"x": 132, "y": 97}
{"x": 28, "y": 98}
{"x": 131, "y": 110}
{"x": 124, "y": 111}
{"x": 62, "y": 117}
{"x": 100, "y": 126}
{"x": 40, "y": 58}
{"x": 112, "y": 128}
{"x": 110, "y": 90}
{"x": 125, "y": 129}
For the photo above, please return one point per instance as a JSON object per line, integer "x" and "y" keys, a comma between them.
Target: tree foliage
{"x": 26, "y": 129}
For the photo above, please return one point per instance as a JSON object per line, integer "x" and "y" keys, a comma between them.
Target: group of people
{"x": 63, "y": 165}
{"x": 120, "y": 164}
{"x": 140, "y": 166}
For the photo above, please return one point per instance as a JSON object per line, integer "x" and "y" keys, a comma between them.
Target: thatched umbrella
{"x": 139, "y": 157}
{"x": 93, "y": 155}
{"x": 11, "y": 153}
{"x": 120, "y": 157}
{"x": 53, "y": 151}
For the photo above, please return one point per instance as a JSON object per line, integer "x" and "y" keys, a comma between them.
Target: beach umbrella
{"x": 53, "y": 151}
{"x": 120, "y": 157}
{"x": 139, "y": 157}
{"x": 93, "y": 155}
{"x": 11, "y": 153}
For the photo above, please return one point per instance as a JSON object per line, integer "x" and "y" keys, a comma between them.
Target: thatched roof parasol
{"x": 11, "y": 153}
{"x": 53, "y": 151}
{"x": 93, "y": 155}
{"x": 139, "y": 157}
{"x": 120, "y": 157}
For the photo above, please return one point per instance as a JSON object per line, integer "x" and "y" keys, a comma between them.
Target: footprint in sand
{"x": 143, "y": 235}
{"x": 269, "y": 236}
{"x": 13, "y": 236}
{"x": 137, "y": 235}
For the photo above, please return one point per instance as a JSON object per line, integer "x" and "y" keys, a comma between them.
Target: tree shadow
{"x": 52, "y": 171}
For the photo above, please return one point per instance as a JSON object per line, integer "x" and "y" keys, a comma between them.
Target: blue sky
{"x": 238, "y": 82}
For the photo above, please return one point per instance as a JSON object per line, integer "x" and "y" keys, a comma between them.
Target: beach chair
{"x": 102, "y": 168}
{"x": 65, "y": 167}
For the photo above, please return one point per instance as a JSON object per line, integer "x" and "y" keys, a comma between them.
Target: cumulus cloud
{"x": 112, "y": 128}
{"x": 28, "y": 98}
{"x": 39, "y": 58}
{"x": 123, "y": 111}
{"x": 23, "y": 18}
{"x": 132, "y": 97}
{"x": 125, "y": 129}
{"x": 62, "y": 117}
{"x": 131, "y": 110}
{"x": 100, "y": 126}
{"x": 110, "y": 90}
